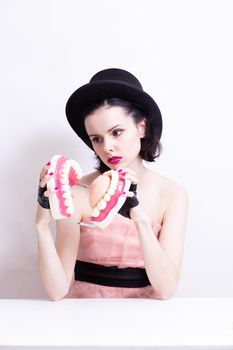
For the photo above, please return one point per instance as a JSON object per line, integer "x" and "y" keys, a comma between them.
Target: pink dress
{"x": 117, "y": 244}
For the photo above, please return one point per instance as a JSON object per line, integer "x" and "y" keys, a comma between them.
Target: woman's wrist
{"x": 42, "y": 227}
{"x": 142, "y": 222}
{"x": 42, "y": 200}
{"x": 139, "y": 216}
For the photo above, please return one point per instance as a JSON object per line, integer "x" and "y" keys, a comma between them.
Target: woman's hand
{"x": 131, "y": 200}
{"x": 43, "y": 214}
{"x": 131, "y": 207}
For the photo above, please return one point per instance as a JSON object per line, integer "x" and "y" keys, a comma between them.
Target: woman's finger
{"x": 130, "y": 171}
{"x": 132, "y": 178}
{"x": 44, "y": 180}
{"x": 122, "y": 170}
{"x": 128, "y": 194}
{"x": 44, "y": 170}
{"x": 48, "y": 193}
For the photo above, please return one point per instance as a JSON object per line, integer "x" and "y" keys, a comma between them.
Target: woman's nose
{"x": 108, "y": 145}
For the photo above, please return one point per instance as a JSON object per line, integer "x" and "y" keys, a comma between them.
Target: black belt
{"x": 113, "y": 276}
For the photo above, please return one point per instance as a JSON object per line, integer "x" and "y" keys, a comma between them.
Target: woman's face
{"x": 113, "y": 133}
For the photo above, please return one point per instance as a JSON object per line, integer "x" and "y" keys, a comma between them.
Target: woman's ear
{"x": 142, "y": 128}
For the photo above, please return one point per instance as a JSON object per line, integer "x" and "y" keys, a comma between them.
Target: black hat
{"x": 112, "y": 82}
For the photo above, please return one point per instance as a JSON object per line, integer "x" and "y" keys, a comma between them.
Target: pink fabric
{"x": 117, "y": 244}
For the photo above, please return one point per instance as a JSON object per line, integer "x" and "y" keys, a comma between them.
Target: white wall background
{"x": 182, "y": 53}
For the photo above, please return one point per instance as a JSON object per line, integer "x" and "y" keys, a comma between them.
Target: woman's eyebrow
{"x": 108, "y": 130}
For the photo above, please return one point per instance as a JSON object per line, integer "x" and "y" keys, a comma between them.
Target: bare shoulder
{"x": 168, "y": 192}
{"x": 176, "y": 203}
{"x": 167, "y": 186}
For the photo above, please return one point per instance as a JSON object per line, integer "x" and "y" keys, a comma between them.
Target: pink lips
{"x": 114, "y": 160}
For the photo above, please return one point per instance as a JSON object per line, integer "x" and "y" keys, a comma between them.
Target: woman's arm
{"x": 163, "y": 256}
{"x": 56, "y": 259}
{"x": 56, "y": 266}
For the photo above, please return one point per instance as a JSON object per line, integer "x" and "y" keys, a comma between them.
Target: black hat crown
{"x": 116, "y": 74}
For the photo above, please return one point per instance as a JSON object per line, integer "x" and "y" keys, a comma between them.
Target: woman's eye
{"x": 95, "y": 140}
{"x": 116, "y": 132}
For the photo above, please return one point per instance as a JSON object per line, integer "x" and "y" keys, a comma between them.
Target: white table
{"x": 201, "y": 323}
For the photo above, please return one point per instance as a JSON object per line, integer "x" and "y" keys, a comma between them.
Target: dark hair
{"x": 151, "y": 146}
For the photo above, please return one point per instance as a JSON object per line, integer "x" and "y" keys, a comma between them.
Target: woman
{"x": 139, "y": 254}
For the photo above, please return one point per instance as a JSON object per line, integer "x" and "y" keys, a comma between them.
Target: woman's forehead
{"x": 104, "y": 119}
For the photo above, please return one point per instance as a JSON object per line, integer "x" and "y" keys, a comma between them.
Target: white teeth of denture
{"x": 66, "y": 168}
{"x": 101, "y": 205}
{"x": 95, "y": 212}
{"x": 111, "y": 191}
{"x": 69, "y": 162}
{"x": 113, "y": 184}
{"x": 64, "y": 175}
{"x": 107, "y": 197}
{"x": 77, "y": 173}
{"x": 64, "y": 181}
{"x": 67, "y": 194}
{"x": 115, "y": 177}
{"x": 68, "y": 202}
{"x": 69, "y": 210}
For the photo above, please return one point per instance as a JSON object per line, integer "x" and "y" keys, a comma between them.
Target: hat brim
{"x": 100, "y": 90}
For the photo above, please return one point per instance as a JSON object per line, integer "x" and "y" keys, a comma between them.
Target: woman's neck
{"x": 139, "y": 168}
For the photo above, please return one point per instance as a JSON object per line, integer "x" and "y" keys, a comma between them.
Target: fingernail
{"x": 119, "y": 170}
{"x": 123, "y": 192}
{"x": 48, "y": 163}
{"x": 123, "y": 174}
{"x": 51, "y": 173}
{"x": 56, "y": 188}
